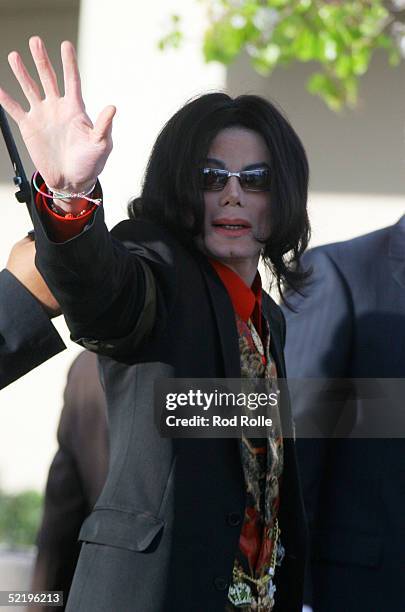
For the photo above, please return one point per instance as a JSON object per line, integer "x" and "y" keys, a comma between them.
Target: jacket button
{"x": 234, "y": 519}
{"x": 221, "y": 583}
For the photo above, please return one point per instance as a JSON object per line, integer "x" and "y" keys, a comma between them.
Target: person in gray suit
{"x": 350, "y": 324}
{"x": 27, "y": 336}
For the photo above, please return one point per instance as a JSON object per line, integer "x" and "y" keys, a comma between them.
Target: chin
{"x": 231, "y": 250}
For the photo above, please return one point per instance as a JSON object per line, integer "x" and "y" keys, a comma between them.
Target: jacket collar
{"x": 396, "y": 251}
{"x": 396, "y": 245}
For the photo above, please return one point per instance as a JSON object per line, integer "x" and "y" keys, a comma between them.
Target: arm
{"x": 27, "y": 337}
{"x": 106, "y": 292}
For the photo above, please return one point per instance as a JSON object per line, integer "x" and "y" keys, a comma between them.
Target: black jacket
{"x": 27, "y": 337}
{"x": 164, "y": 534}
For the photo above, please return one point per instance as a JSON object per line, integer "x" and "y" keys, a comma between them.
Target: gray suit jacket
{"x": 351, "y": 324}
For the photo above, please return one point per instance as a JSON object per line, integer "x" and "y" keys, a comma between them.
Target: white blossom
{"x": 252, "y": 50}
{"x": 398, "y": 5}
{"x": 271, "y": 53}
{"x": 330, "y": 50}
{"x": 266, "y": 19}
{"x": 238, "y": 21}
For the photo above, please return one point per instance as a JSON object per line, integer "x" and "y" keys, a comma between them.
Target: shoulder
{"x": 148, "y": 239}
{"x": 359, "y": 248}
{"x": 84, "y": 366}
{"x": 167, "y": 258}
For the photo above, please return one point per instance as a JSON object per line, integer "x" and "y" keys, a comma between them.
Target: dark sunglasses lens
{"x": 255, "y": 180}
{"x": 213, "y": 179}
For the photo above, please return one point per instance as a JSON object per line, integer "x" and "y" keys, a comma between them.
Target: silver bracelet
{"x": 66, "y": 195}
{"x": 60, "y": 195}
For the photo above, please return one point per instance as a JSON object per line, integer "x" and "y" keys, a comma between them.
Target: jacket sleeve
{"x": 27, "y": 336}
{"x": 318, "y": 345}
{"x": 106, "y": 283}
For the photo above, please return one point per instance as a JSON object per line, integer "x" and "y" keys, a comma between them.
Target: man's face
{"x": 235, "y": 218}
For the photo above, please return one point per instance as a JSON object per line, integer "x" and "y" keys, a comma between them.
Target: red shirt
{"x": 246, "y": 301}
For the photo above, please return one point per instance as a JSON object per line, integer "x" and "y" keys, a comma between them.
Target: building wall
{"x": 356, "y": 157}
{"x": 358, "y": 150}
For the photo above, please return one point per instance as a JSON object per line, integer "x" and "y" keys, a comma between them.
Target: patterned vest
{"x": 260, "y": 549}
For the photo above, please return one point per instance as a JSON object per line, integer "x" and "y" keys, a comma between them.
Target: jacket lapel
{"x": 396, "y": 251}
{"x": 273, "y": 319}
{"x": 225, "y": 319}
{"x": 272, "y": 316}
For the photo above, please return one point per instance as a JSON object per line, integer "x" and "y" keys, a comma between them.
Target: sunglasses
{"x": 215, "y": 179}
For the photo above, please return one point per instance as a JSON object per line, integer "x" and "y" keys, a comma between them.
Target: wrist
{"x": 73, "y": 204}
{"x": 74, "y": 188}
{"x": 76, "y": 203}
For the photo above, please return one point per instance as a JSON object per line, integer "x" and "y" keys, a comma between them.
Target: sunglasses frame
{"x": 227, "y": 174}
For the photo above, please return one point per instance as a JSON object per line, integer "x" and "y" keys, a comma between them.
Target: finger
{"x": 11, "y": 106}
{"x": 71, "y": 73}
{"x": 44, "y": 67}
{"x": 27, "y": 83}
{"x": 103, "y": 126}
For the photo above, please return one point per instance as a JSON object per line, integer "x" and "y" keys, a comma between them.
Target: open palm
{"x": 64, "y": 145}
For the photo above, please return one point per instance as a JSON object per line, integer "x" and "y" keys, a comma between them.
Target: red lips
{"x": 231, "y": 222}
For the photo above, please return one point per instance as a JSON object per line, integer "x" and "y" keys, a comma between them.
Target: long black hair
{"x": 172, "y": 196}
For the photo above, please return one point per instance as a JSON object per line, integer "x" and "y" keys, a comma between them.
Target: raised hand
{"x": 64, "y": 145}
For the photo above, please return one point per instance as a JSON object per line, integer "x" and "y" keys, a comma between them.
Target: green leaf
{"x": 361, "y": 60}
{"x": 19, "y": 517}
{"x": 305, "y": 46}
{"x": 339, "y": 36}
{"x": 174, "y": 36}
{"x": 344, "y": 66}
{"x": 325, "y": 87}
{"x": 223, "y": 43}
{"x": 266, "y": 59}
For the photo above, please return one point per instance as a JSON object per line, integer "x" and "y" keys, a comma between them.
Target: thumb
{"x": 103, "y": 126}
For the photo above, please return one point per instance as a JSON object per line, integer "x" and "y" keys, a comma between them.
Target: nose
{"x": 232, "y": 194}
